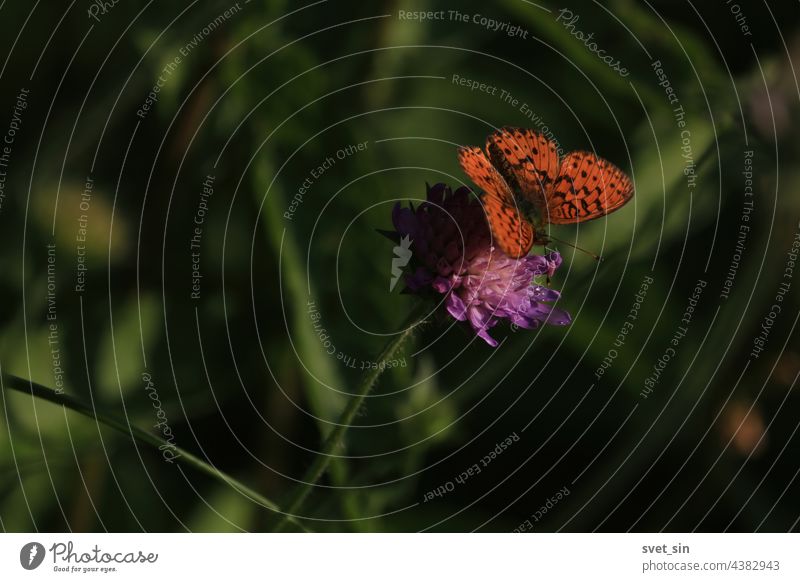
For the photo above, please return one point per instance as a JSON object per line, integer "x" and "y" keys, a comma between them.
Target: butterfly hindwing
{"x": 587, "y": 187}
{"x": 510, "y": 230}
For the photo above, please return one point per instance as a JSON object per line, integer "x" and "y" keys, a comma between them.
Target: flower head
{"x": 452, "y": 254}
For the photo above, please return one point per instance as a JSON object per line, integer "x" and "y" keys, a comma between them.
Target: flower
{"x": 452, "y": 254}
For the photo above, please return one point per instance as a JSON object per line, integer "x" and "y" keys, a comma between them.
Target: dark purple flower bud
{"x": 453, "y": 255}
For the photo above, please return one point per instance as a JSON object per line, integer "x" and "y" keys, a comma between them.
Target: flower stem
{"x": 334, "y": 440}
{"x": 10, "y": 382}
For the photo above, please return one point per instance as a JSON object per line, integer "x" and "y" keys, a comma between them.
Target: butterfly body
{"x": 527, "y": 186}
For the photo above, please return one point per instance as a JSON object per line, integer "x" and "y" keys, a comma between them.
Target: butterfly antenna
{"x": 577, "y": 248}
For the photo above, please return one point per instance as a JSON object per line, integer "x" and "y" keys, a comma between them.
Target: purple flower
{"x": 452, "y": 254}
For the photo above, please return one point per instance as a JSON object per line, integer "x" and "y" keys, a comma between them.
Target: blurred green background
{"x": 259, "y": 100}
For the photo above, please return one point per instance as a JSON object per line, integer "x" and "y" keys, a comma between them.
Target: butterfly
{"x": 526, "y": 185}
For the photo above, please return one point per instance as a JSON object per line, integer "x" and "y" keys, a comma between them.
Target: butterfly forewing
{"x": 587, "y": 187}
{"x": 527, "y": 160}
{"x": 478, "y": 167}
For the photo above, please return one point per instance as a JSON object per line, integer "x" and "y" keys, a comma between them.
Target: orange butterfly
{"x": 523, "y": 178}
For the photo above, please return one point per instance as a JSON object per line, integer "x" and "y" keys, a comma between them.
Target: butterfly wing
{"x": 587, "y": 187}
{"x": 510, "y": 230}
{"x": 527, "y": 160}
{"x": 478, "y": 167}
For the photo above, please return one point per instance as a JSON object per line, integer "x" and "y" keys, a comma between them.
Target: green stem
{"x": 336, "y": 436}
{"x": 38, "y": 391}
